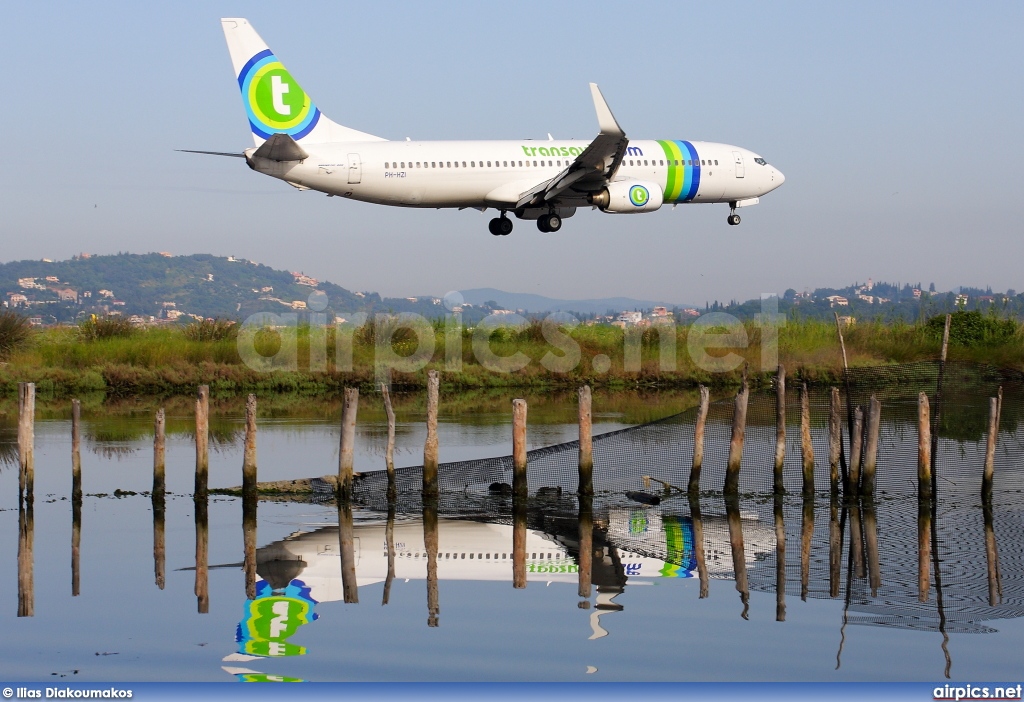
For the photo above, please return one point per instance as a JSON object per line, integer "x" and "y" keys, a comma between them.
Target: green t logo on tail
{"x": 275, "y": 102}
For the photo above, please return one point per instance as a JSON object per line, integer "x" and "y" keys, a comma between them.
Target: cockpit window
{"x": 760, "y": 161}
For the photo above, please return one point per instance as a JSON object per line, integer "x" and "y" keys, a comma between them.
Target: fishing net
{"x": 663, "y": 449}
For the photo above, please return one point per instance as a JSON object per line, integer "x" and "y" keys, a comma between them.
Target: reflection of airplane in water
{"x": 305, "y": 569}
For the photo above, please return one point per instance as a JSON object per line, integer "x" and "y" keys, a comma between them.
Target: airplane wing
{"x": 593, "y": 168}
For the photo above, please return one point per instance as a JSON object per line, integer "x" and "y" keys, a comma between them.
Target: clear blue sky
{"x": 898, "y": 126}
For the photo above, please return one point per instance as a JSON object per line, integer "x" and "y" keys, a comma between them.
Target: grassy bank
{"x": 166, "y": 361}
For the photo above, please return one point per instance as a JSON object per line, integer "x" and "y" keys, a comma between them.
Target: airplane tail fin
{"x": 273, "y": 99}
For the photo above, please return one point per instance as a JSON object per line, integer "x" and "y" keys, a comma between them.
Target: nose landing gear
{"x": 500, "y": 226}
{"x": 733, "y": 219}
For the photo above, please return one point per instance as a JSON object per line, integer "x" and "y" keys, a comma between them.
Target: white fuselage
{"x": 493, "y": 173}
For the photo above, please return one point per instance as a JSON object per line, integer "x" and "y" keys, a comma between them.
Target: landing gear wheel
{"x": 504, "y": 226}
{"x": 493, "y": 225}
{"x": 549, "y": 223}
{"x": 733, "y": 219}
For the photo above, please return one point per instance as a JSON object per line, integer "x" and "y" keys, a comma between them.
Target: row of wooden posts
{"x": 586, "y": 521}
{"x": 860, "y": 480}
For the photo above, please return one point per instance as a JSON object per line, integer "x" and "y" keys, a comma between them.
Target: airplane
{"x": 545, "y": 181}
{"x": 304, "y": 569}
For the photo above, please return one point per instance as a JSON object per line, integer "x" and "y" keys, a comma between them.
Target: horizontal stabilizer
{"x": 234, "y": 154}
{"x": 281, "y": 147}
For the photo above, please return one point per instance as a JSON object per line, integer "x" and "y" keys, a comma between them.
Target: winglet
{"x": 605, "y": 118}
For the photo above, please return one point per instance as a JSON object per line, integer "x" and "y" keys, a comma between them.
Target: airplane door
{"x": 355, "y": 169}
{"x": 737, "y": 159}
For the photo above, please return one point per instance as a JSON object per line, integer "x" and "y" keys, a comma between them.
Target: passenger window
{"x": 488, "y": 164}
{"x": 534, "y": 164}
{"x": 504, "y": 164}
{"x": 417, "y": 164}
{"x": 385, "y": 165}
{"x": 702, "y": 162}
{"x": 463, "y": 164}
{"x": 433, "y": 164}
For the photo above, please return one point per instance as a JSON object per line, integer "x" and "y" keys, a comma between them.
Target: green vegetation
{"x": 14, "y": 332}
{"x": 65, "y": 361}
{"x": 105, "y": 328}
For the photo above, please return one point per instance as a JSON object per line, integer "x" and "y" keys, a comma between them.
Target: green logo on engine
{"x": 639, "y": 195}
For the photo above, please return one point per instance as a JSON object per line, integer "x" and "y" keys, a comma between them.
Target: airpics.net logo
{"x": 407, "y": 342}
{"x": 274, "y": 100}
{"x": 639, "y": 195}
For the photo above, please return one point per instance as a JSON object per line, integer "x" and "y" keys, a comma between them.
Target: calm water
{"x": 644, "y": 618}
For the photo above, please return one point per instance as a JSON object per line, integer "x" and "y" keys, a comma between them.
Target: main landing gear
{"x": 549, "y": 223}
{"x": 733, "y": 218}
{"x": 500, "y": 226}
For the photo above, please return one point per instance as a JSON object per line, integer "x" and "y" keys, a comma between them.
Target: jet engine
{"x": 629, "y": 197}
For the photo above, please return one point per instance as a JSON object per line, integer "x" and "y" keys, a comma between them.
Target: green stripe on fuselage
{"x": 676, "y": 175}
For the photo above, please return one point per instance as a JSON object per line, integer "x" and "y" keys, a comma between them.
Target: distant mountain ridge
{"x": 168, "y": 287}
{"x": 537, "y": 304}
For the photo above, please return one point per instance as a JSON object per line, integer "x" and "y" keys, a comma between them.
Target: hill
{"x": 168, "y": 287}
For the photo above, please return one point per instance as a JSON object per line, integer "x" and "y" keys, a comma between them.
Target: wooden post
{"x": 698, "y": 544}
{"x": 586, "y": 541}
{"x": 346, "y": 543}
{"x": 586, "y": 484}
{"x": 924, "y": 549}
{"x": 945, "y": 337}
{"x": 835, "y": 441}
{"x": 780, "y": 561}
{"x": 519, "y": 481}
{"x": 249, "y": 480}
{"x": 842, "y": 344}
{"x": 924, "y": 448}
{"x": 389, "y": 540}
{"x": 806, "y": 536}
{"x": 430, "y": 545}
{"x": 518, "y": 541}
{"x": 835, "y": 547}
{"x": 806, "y": 447}
{"x": 202, "y": 443}
{"x": 780, "y": 431}
{"x": 159, "y": 455}
{"x": 158, "y": 499}
{"x": 739, "y": 559}
{"x": 856, "y": 450}
{"x": 346, "y": 453}
{"x": 202, "y": 587}
{"x": 159, "y": 539}
{"x": 871, "y": 545}
{"x": 693, "y": 487}
{"x": 430, "y": 447}
{"x": 76, "y": 496}
{"x": 389, "y": 452}
{"x": 76, "y": 450}
{"x": 990, "y": 448}
{"x": 871, "y": 447}
{"x": 26, "y": 439}
{"x": 76, "y": 542}
{"x": 739, "y": 427}
{"x": 250, "y": 504}
{"x": 995, "y": 582}
{"x": 856, "y": 540}
{"x": 26, "y": 560}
